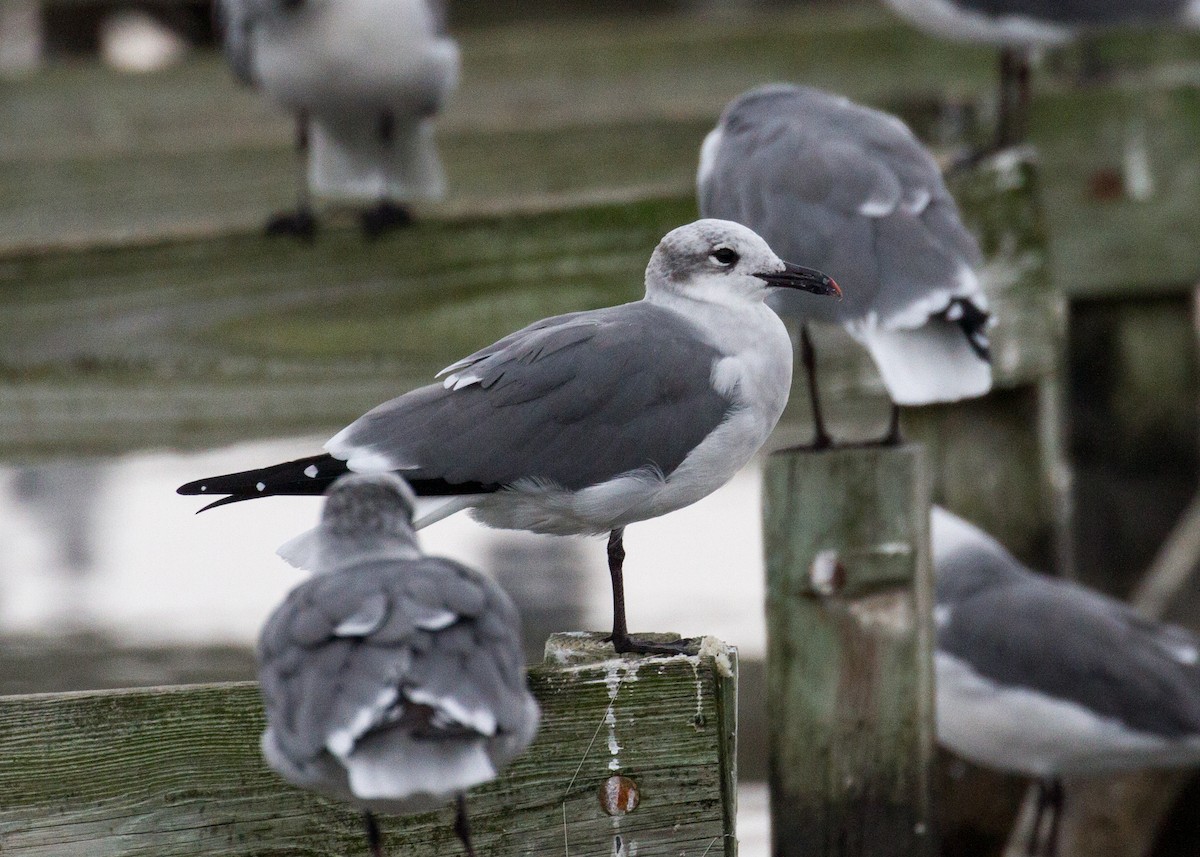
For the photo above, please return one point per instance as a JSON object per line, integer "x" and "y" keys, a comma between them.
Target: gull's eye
{"x": 724, "y": 256}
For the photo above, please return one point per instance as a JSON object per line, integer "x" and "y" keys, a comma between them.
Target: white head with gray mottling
{"x": 719, "y": 261}
{"x": 365, "y": 515}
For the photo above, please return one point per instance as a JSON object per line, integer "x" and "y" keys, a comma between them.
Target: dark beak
{"x": 805, "y": 279}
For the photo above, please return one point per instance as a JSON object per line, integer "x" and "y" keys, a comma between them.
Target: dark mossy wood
{"x": 199, "y": 342}
{"x": 554, "y": 113}
{"x": 177, "y": 771}
{"x": 849, "y": 652}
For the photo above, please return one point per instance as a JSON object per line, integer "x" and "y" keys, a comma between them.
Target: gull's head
{"x": 369, "y": 508}
{"x": 721, "y": 261}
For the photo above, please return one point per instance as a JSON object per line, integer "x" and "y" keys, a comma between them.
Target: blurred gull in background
{"x": 587, "y": 422}
{"x": 1021, "y": 27}
{"x": 392, "y": 680}
{"x": 1046, "y": 679}
{"x": 851, "y": 190}
{"x": 365, "y": 79}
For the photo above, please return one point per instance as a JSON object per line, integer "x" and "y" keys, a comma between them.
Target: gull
{"x": 1047, "y": 679}
{"x": 392, "y": 680}
{"x": 851, "y": 190}
{"x": 364, "y": 79}
{"x": 587, "y": 422}
{"x": 1021, "y": 28}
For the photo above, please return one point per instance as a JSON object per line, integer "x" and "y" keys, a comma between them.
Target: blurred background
{"x": 149, "y": 335}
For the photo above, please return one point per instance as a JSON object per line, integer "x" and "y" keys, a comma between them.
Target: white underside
{"x": 1030, "y": 733}
{"x": 946, "y": 20}
{"x": 348, "y": 161}
{"x": 346, "y": 63}
{"x": 343, "y": 56}
{"x": 397, "y": 775}
{"x": 931, "y": 363}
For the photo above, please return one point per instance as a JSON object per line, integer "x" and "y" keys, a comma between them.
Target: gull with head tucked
{"x": 851, "y": 190}
{"x": 391, "y": 680}
{"x": 590, "y": 421}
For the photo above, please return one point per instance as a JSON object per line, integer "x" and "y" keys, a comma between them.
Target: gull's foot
{"x": 295, "y": 224}
{"x": 384, "y": 218}
{"x": 626, "y": 644}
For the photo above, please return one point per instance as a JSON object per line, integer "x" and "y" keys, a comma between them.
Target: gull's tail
{"x": 303, "y": 477}
{"x": 311, "y": 477}
{"x": 349, "y": 161}
{"x": 943, "y": 360}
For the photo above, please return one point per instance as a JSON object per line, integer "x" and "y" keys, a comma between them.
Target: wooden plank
{"x": 849, "y": 651}
{"x": 551, "y": 113}
{"x": 177, "y": 771}
{"x": 193, "y": 343}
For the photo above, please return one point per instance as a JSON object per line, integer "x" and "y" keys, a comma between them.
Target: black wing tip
{"x": 974, "y": 321}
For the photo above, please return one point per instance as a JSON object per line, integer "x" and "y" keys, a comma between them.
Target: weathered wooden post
{"x": 849, "y": 652}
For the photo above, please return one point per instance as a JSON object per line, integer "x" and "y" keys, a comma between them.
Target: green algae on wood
{"x": 176, "y": 771}
{"x": 849, "y": 652}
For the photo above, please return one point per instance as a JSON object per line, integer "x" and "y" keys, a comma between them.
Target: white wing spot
{"x": 457, "y": 382}
{"x": 877, "y": 208}
{"x": 311, "y": 471}
{"x": 261, "y": 486}
{"x": 437, "y": 621}
{"x": 919, "y": 202}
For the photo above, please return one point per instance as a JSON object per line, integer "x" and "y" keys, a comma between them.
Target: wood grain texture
{"x": 554, "y": 113}
{"x": 849, "y": 657}
{"x": 176, "y": 771}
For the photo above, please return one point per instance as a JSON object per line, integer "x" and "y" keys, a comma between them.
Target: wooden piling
{"x": 176, "y": 771}
{"x": 849, "y": 652}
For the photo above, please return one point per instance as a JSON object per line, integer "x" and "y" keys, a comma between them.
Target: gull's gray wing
{"x": 574, "y": 401}
{"x": 846, "y": 189}
{"x": 432, "y": 649}
{"x": 1021, "y": 629}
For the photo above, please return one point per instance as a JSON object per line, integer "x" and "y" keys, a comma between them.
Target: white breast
{"x": 1031, "y": 733}
{"x": 949, "y": 21}
{"x": 341, "y": 55}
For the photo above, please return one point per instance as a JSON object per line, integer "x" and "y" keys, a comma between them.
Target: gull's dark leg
{"x": 374, "y": 837}
{"x": 808, "y": 356}
{"x": 1014, "y": 98}
{"x": 1056, "y": 799}
{"x": 620, "y": 638}
{"x": 386, "y": 215}
{"x": 462, "y": 826}
{"x": 299, "y": 223}
{"x": 1039, "y": 813}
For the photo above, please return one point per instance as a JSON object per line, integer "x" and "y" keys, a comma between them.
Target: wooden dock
{"x": 140, "y": 307}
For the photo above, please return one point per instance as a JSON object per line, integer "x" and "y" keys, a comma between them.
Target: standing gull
{"x": 1021, "y": 27}
{"x": 588, "y": 422}
{"x": 1047, "y": 679}
{"x": 850, "y": 190}
{"x": 365, "y": 79}
{"x": 391, "y": 680}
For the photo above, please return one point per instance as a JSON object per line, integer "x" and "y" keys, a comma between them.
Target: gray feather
{"x": 1021, "y": 629}
{"x": 798, "y": 166}
{"x": 315, "y": 688}
{"x": 629, "y": 384}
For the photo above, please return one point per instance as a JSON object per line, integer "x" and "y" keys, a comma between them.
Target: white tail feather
{"x": 300, "y": 551}
{"x": 398, "y": 767}
{"x": 931, "y": 363}
{"x": 348, "y": 161}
